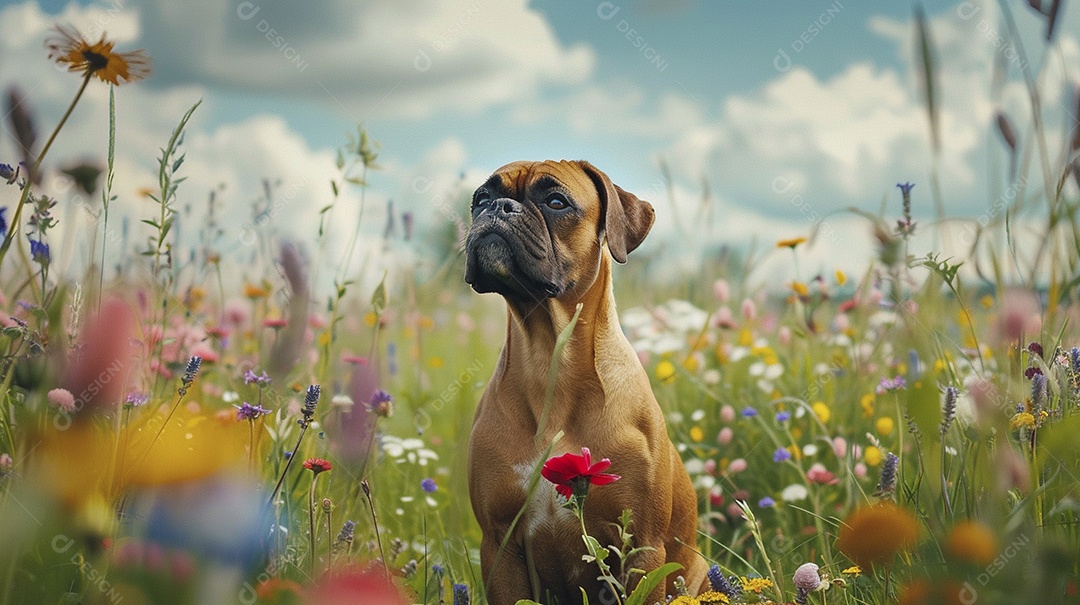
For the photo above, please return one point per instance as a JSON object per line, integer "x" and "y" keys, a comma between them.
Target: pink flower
{"x": 737, "y": 465}
{"x": 6, "y": 463}
{"x": 784, "y": 335}
{"x": 99, "y": 369}
{"x": 839, "y": 447}
{"x": 724, "y": 319}
{"x": 860, "y": 470}
{"x": 749, "y": 309}
{"x": 721, "y": 290}
{"x": 1020, "y": 315}
{"x": 806, "y": 577}
{"x": 727, "y": 413}
{"x": 817, "y": 473}
{"x": 63, "y": 399}
{"x": 205, "y": 352}
{"x": 725, "y": 436}
{"x": 710, "y": 466}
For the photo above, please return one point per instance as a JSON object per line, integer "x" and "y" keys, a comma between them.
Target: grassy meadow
{"x": 186, "y": 431}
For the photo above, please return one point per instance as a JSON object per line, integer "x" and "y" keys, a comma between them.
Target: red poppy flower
{"x": 572, "y": 473}
{"x": 317, "y": 465}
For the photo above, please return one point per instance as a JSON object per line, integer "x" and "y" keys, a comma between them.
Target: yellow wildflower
{"x": 691, "y": 364}
{"x": 1023, "y": 420}
{"x": 712, "y": 597}
{"x": 746, "y": 337}
{"x": 972, "y": 541}
{"x": 799, "y": 288}
{"x": 872, "y": 456}
{"x": 873, "y": 535}
{"x": 987, "y": 301}
{"x": 665, "y": 371}
{"x": 822, "y": 411}
{"x": 684, "y": 600}
{"x": 841, "y": 278}
{"x": 884, "y": 425}
{"x": 755, "y": 584}
{"x": 697, "y": 434}
{"x": 867, "y": 404}
{"x": 790, "y": 243}
{"x": 68, "y": 47}
{"x": 435, "y": 362}
{"x": 252, "y": 291}
{"x": 854, "y": 570}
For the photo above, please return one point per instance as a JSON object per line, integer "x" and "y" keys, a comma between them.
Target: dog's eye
{"x": 481, "y": 197}
{"x": 557, "y": 202}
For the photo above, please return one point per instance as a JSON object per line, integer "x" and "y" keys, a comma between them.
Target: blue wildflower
{"x": 781, "y": 455}
{"x": 8, "y": 174}
{"x": 252, "y": 377}
{"x": 731, "y": 588}
{"x": 39, "y": 251}
{"x": 428, "y": 485}
{"x": 783, "y": 416}
{"x": 749, "y": 412}
{"x": 3, "y": 222}
{"x": 888, "y": 474}
{"x": 766, "y": 502}
{"x": 189, "y": 374}
{"x": 461, "y": 594}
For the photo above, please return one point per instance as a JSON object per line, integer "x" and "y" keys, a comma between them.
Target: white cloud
{"x": 365, "y": 58}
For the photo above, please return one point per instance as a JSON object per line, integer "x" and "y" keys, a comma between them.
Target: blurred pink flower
{"x": 1020, "y": 315}
{"x": 236, "y": 313}
{"x": 839, "y": 447}
{"x": 710, "y": 466}
{"x": 99, "y": 367}
{"x": 721, "y": 290}
{"x": 724, "y": 319}
{"x": 727, "y": 413}
{"x": 736, "y": 466}
{"x": 749, "y": 309}
{"x": 725, "y": 435}
{"x": 860, "y": 470}
{"x": 206, "y": 352}
{"x": 984, "y": 399}
{"x": 784, "y": 335}
{"x": 841, "y": 323}
{"x": 63, "y": 399}
{"x": 817, "y": 473}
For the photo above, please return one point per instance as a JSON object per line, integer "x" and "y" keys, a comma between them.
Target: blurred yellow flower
{"x": 684, "y": 600}
{"x": 873, "y": 535}
{"x": 370, "y": 318}
{"x": 987, "y": 301}
{"x": 939, "y": 365}
{"x": 697, "y": 434}
{"x": 690, "y": 364}
{"x": 790, "y": 243}
{"x": 884, "y": 425}
{"x": 872, "y": 456}
{"x": 746, "y": 337}
{"x": 325, "y": 338}
{"x": 822, "y": 411}
{"x": 867, "y": 405}
{"x": 841, "y": 277}
{"x": 1023, "y": 420}
{"x": 799, "y": 288}
{"x": 252, "y": 291}
{"x": 665, "y": 371}
{"x": 854, "y": 570}
{"x": 435, "y": 362}
{"x": 973, "y": 542}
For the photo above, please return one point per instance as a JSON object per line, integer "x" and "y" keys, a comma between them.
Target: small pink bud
{"x": 721, "y": 290}
{"x": 736, "y": 466}
{"x": 727, "y": 413}
{"x": 725, "y": 435}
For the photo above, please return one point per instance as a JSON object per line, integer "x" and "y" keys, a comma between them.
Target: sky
{"x": 786, "y": 112}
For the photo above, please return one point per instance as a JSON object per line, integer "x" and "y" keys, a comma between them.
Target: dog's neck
{"x": 591, "y": 364}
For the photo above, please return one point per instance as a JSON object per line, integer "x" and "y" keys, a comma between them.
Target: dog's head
{"x": 538, "y": 229}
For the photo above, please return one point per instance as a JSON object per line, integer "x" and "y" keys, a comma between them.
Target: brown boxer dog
{"x": 537, "y": 238}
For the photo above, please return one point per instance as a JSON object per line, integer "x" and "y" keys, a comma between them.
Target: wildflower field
{"x": 192, "y": 429}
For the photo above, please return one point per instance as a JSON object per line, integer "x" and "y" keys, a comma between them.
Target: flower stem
{"x": 375, "y": 523}
{"x": 14, "y": 227}
{"x": 311, "y": 519}
{"x": 288, "y": 463}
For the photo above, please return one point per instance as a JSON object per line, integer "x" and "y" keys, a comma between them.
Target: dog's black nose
{"x": 505, "y": 206}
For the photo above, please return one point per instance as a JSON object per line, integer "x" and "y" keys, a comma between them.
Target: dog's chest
{"x": 545, "y": 514}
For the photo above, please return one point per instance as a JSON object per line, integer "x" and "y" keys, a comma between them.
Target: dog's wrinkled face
{"x": 538, "y": 228}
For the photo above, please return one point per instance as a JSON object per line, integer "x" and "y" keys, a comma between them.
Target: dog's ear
{"x": 626, "y": 219}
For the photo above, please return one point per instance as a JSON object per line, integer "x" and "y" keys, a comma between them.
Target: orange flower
{"x": 873, "y": 535}
{"x": 317, "y": 465}
{"x": 972, "y": 541}
{"x": 67, "y": 46}
{"x": 790, "y": 243}
{"x": 252, "y": 291}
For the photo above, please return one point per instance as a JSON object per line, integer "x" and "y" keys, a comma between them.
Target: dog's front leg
{"x": 508, "y": 572}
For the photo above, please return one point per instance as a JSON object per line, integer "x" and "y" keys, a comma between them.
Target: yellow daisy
{"x": 67, "y": 47}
